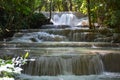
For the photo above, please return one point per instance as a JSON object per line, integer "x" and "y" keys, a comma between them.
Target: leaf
{"x": 26, "y": 55}
{"x": 8, "y": 62}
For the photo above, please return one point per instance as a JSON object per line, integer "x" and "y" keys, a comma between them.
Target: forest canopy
{"x": 18, "y": 14}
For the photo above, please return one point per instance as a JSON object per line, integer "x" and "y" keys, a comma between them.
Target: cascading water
{"x": 65, "y": 65}
{"x": 37, "y": 37}
{"x": 75, "y": 35}
{"x": 66, "y": 54}
{"x": 69, "y": 19}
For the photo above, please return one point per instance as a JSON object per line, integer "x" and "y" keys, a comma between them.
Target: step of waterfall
{"x": 68, "y": 34}
{"x": 66, "y": 58}
{"x": 65, "y": 51}
{"x": 65, "y": 65}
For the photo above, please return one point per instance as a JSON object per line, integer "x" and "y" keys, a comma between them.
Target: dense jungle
{"x": 26, "y": 14}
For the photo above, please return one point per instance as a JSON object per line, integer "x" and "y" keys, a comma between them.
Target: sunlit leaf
{"x": 26, "y": 55}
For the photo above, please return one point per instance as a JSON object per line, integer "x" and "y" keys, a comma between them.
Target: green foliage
{"x": 7, "y": 74}
{"x": 15, "y": 15}
{"x": 104, "y": 12}
{"x": 83, "y": 7}
{"x": 20, "y": 14}
{"x": 16, "y": 11}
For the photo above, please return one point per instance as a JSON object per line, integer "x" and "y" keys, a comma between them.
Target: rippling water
{"x": 104, "y": 76}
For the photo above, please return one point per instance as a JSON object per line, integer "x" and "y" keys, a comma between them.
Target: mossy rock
{"x": 37, "y": 20}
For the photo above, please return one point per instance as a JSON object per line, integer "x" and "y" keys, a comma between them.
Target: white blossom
{"x": 17, "y": 70}
{"x": 6, "y": 78}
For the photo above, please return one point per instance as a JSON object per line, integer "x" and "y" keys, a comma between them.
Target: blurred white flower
{"x": 17, "y": 70}
{"x": 6, "y": 78}
{"x": 2, "y": 68}
{"x": 101, "y": 5}
{"x": 12, "y": 66}
{"x": 7, "y": 67}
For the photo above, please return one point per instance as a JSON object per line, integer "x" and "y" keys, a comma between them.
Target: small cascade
{"x": 66, "y": 51}
{"x": 64, "y": 65}
{"x": 69, "y": 34}
{"x": 111, "y": 62}
{"x": 69, "y": 19}
{"x": 37, "y": 37}
{"x": 55, "y": 35}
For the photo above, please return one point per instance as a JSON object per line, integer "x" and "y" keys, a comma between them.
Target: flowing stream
{"x": 66, "y": 54}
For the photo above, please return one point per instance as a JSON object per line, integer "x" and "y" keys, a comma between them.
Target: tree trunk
{"x": 71, "y": 5}
{"x": 89, "y": 13}
{"x": 65, "y": 5}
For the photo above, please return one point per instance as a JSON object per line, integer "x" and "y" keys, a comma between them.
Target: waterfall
{"x": 55, "y": 35}
{"x": 37, "y": 37}
{"x": 69, "y": 19}
{"x": 69, "y": 52}
{"x": 111, "y": 62}
{"x": 65, "y": 65}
